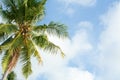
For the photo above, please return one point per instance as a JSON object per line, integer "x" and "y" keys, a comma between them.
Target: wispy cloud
{"x": 70, "y": 12}
{"x": 79, "y": 2}
{"x": 109, "y": 45}
{"x": 68, "y": 5}
{"x": 85, "y": 25}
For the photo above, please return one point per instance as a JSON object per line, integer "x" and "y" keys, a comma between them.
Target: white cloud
{"x": 85, "y": 25}
{"x": 70, "y": 11}
{"x": 69, "y": 6}
{"x": 76, "y": 74}
{"x": 79, "y": 2}
{"x": 70, "y": 73}
{"x": 109, "y": 46}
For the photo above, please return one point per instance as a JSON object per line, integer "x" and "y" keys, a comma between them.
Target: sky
{"x": 93, "y": 49}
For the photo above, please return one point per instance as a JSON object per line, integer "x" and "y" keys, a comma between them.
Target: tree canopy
{"x": 21, "y": 38}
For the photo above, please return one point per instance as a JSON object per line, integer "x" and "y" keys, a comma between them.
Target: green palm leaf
{"x": 25, "y": 59}
{"x": 53, "y": 28}
{"x": 27, "y": 68}
{"x": 43, "y": 42}
{"x": 26, "y": 53}
{"x": 5, "y": 60}
{"x": 6, "y": 44}
{"x": 35, "y": 10}
{"x": 6, "y": 30}
{"x": 36, "y": 51}
{"x": 54, "y": 49}
{"x": 12, "y": 42}
{"x": 11, "y": 76}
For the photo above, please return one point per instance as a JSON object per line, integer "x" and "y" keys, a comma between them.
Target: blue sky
{"x": 92, "y": 52}
{"x": 94, "y": 46}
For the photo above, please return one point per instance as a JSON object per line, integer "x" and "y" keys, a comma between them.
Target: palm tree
{"x": 21, "y": 38}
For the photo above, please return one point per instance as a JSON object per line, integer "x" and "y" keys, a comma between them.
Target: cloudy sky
{"x": 93, "y": 50}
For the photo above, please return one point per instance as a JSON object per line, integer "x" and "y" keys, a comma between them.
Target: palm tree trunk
{"x": 4, "y": 77}
{"x": 11, "y": 64}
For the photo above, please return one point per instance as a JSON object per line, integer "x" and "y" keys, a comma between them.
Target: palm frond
{"x": 43, "y": 42}
{"x": 3, "y": 36}
{"x": 54, "y": 49}
{"x": 11, "y": 76}
{"x": 36, "y": 51}
{"x": 27, "y": 69}
{"x": 26, "y": 53}
{"x": 8, "y": 28}
{"x": 18, "y": 41}
{"x": 8, "y": 3}
{"x": 6, "y": 59}
{"x": 6, "y": 44}
{"x": 57, "y": 29}
{"x": 30, "y": 48}
{"x": 12, "y": 42}
{"x": 10, "y": 58}
{"x": 9, "y": 10}
{"x": 23, "y": 11}
{"x": 25, "y": 2}
{"x": 35, "y": 10}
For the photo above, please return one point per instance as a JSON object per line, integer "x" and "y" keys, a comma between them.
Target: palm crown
{"x": 21, "y": 37}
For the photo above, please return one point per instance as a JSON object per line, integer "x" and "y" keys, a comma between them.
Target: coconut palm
{"x": 21, "y": 38}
